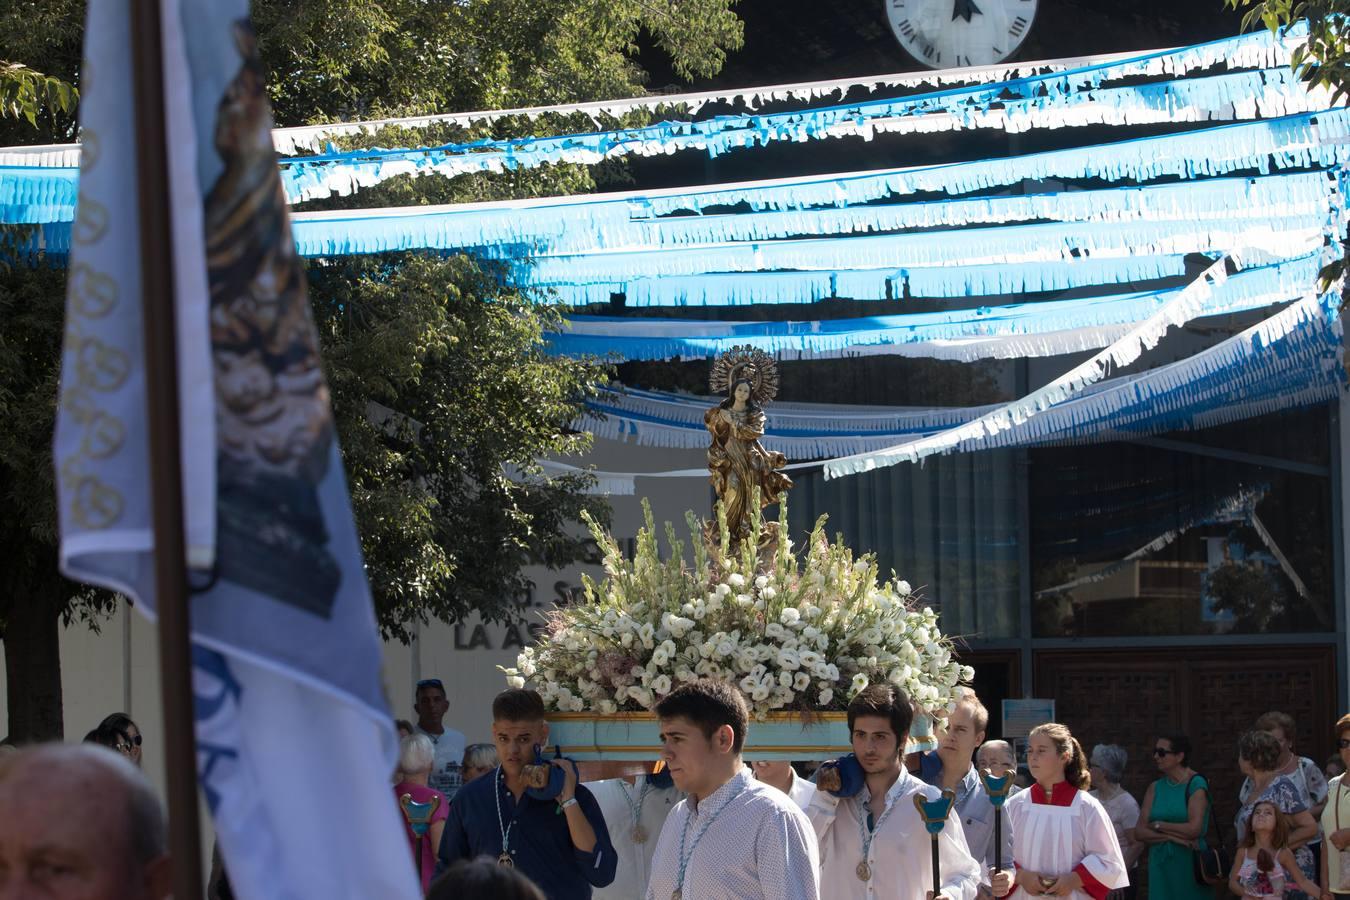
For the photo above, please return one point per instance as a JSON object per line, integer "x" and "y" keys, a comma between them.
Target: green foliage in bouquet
{"x": 795, "y": 634}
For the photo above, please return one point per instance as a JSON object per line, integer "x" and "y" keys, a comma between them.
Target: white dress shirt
{"x": 802, "y": 791}
{"x": 744, "y": 841}
{"x": 900, "y": 856}
{"x": 618, "y": 799}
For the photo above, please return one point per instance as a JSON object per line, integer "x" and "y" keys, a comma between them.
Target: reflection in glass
{"x": 1138, "y": 539}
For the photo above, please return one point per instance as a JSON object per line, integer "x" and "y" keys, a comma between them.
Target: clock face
{"x": 949, "y": 34}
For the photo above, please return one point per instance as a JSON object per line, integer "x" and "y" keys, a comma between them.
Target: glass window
{"x": 1189, "y": 534}
{"x": 949, "y": 527}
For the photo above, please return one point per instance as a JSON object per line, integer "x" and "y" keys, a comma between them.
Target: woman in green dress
{"x": 1173, "y": 817}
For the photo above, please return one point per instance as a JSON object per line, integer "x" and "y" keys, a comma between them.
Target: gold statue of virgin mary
{"x": 738, "y": 462}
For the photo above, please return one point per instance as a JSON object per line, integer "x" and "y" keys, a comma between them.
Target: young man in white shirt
{"x": 635, "y": 808}
{"x": 780, "y": 774}
{"x": 733, "y": 838}
{"x": 873, "y": 844}
{"x": 430, "y": 704}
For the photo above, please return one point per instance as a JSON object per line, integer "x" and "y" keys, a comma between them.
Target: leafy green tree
{"x": 443, "y": 395}
{"x": 1323, "y": 62}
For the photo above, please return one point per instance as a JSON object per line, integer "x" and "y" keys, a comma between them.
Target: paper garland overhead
{"x": 1047, "y": 328}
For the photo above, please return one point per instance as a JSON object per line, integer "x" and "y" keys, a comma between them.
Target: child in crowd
{"x": 1264, "y": 866}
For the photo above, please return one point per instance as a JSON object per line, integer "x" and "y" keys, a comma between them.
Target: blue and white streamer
{"x": 1045, "y": 101}
{"x": 1047, "y": 328}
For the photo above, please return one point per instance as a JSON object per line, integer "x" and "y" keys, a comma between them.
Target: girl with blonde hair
{"x": 1064, "y": 844}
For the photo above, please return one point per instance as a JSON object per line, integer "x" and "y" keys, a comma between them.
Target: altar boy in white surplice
{"x": 1064, "y": 844}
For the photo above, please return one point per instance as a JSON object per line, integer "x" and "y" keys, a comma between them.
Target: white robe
{"x": 1073, "y": 834}
{"x": 635, "y": 860}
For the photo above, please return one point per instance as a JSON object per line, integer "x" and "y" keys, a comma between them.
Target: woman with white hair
{"x": 424, "y": 810}
{"x": 1107, "y": 767}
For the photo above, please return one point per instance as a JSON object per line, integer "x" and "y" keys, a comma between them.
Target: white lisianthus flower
{"x": 723, "y": 590}
{"x": 761, "y": 581}
{"x": 608, "y": 707}
{"x": 661, "y": 684}
{"x": 748, "y": 684}
{"x": 775, "y": 631}
{"x": 801, "y": 681}
{"x": 859, "y": 682}
{"x": 768, "y": 593}
{"x": 903, "y": 588}
{"x": 790, "y": 616}
{"x": 515, "y": 681}
{"x": 744, "y": 599}
{"x": 660, "y": 657}
{"x": 736, "y": 580}
{"x": 809, "y": 659}
{"x": 785, "y": 679}
{"x": 725, "y": 648}
{"x": 788, "y": 659}
{"x": 967, "y": 673}
{"x": 826, "y": 695}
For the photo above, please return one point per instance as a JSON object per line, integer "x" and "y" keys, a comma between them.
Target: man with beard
{"x": 873, "y": 843}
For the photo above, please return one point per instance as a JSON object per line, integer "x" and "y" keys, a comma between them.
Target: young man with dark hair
{"x": 560, "y": 843}
{"x": 430, "y": 704}
{"x": 873, "y": 843}
{"x": 732, "y": 838}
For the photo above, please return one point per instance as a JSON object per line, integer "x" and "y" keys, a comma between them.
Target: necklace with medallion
{"x": 505, "y": 858}
{"x": 703, "y": 829}
{"x": 866, "y": 833}
{"x": 638, "y": 834}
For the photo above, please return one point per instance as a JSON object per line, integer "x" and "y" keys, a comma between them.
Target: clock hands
{"x": 964, "y": 9}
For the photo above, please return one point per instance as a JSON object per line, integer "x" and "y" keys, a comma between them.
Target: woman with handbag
{"x": 1259, "y": 756}
{"x": 1173, "y": 820}
{"x": 1336, "y": 823}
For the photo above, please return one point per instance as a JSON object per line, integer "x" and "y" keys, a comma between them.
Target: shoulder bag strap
{"x": 1209, "y": 807}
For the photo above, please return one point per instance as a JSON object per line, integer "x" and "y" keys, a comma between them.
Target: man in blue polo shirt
{"x": 949, "y": 767}
{"x": 562, "y": 844}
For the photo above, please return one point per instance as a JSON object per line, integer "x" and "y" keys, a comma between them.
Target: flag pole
{"x": 166, "y": 469}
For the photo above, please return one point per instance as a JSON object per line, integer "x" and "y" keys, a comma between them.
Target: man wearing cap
{"x": 430, "y": 704}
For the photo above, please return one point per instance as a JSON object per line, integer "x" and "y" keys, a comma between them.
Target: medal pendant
{"x": 864, "y": 871}
{"x": 506, "y": 860}
{"x": 639, "y": 834}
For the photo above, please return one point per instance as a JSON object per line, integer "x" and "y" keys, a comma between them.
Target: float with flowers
{"x": 799, "y": 630}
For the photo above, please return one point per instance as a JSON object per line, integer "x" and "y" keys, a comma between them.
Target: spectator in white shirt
{"x": 733, "y": 838}
{"x": 780, "y": 774}
{"x": 873, "y": 843}
{"x": 431, "y": 706}
{"x": 635, "y": 808}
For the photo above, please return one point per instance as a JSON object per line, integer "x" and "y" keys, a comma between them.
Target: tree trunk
{"x": 33, "y": 671}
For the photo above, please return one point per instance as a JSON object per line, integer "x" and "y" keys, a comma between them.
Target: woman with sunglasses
{"x": 1173, "y": 817}
{"x": 122, "y": 722}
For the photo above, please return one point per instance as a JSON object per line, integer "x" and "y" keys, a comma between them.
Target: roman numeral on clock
{"x": 1018, "y": 27}
{"x": 906, "y": 29}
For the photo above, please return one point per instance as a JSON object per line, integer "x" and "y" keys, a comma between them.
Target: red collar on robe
{"x": 1061, "y": 794}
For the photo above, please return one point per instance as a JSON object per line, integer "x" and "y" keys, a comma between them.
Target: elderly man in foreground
{"x": 77, "y": 821}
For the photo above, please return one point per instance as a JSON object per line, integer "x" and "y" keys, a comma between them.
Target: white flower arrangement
{"x": 793, "y": 635}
